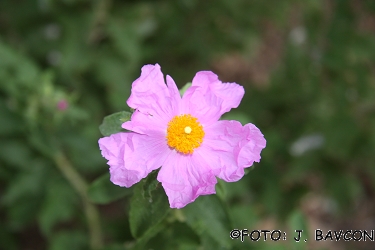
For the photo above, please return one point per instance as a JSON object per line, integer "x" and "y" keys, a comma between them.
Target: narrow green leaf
{"x": 297, "y": 221}
{"x": 103, "y": 191}
{"x": 221, "y": 191}
{"x": 148, "y": 207}
{"x": 210, "y": 221}
{"x": 184, "y": 88}
{"x": 112, "y": 123}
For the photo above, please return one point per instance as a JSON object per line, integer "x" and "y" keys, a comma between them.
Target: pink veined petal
{"x": 224, "y": 136}
{"x": 240, "y": 146}
{"x": 151, "y": 96}
{"x": 156, "y": 103}
{"x": 230, "y": 93}
{"x": 250, "y": 146}
{"x": 144, "y": 124}
{"x": 185, "y": 177}
{"x": 200, "y": 105}
{"x": 132, "y": 156}
{"x": 174, "y": 96}
{"x": 209, "y": 98}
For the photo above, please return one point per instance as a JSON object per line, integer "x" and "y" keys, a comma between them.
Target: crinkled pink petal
{"x": 185, "y": 177}
{"x": 174, "y": 95}
{"x": 249, "y": 148}
{"x": 240, "y": 146}
{"x": 156, "y": 103}
{"x": 230, "y": 93}
{"x": 133, "y": 156}
{"x": 208, "y": 98}
{"x": 152, "y": 96}
{"x": 144, "y": 124}
{"x": 204, "y": 107}
{"x": 221, "y": 138}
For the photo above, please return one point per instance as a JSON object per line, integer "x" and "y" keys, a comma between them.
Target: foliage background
{"x": 308, "y": 70}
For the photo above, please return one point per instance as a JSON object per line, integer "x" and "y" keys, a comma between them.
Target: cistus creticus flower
{"x": 183, "y": 136}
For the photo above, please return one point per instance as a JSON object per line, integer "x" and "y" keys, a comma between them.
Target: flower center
{"x": 184, "y": 133}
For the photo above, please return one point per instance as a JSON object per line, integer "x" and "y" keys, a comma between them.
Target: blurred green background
{"x": 308, "y": 68}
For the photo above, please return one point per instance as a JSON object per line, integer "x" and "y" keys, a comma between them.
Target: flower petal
{"x": 155, "y": 102}
{"x": 174, "y": 95}
{"x": 208, "y": 98}
{"x": 145, "y": 124}
{"x": 132, "y": 156}
{"x": 230, "y": 93}
{"x": 185, "y": 177}
{"x": 204, "y": 107}
{"x": 250, "y": 146}
{"x": 240, "y": 146}
{"x": 148, "y": 88}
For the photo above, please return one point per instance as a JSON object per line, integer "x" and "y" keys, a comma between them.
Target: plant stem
{"x": 80, "y": 185}
{"x": 100, "y": 16}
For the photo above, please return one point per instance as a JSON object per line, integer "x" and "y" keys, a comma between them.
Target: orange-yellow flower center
{"x": 184, "y": 133}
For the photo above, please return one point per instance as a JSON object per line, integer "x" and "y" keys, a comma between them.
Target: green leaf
{"x": 21, "y": 213}
{"x": 42, "y": 141}
{"x": 141, "y": 242}
{"x": 73, "y": 240}
{"x": 27, "y": 184}
{"x": 15, "y": 153}
{"x": 176, "y": 236}
{"x": 10, "y": 122}
{"x": 103, "y": 191}
{"x": 112, "y": 123}
{"x": 24, "y": 194}
{"x": 297, "y": 221}
{"x": 148, "y": 207}
{"x": 210, "y": 221}
{"x": 221, "y": 191}
{"x": 53, "y": 209}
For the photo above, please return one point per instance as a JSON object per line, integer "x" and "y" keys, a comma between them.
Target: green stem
{"x": 79, "y": 184}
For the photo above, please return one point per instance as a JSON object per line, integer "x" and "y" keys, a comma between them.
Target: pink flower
{"x": 183, "y": 136}
{"x": 62, "y": 105}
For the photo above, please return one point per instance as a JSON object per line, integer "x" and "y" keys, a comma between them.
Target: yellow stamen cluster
{"x": 184, "y": 133}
